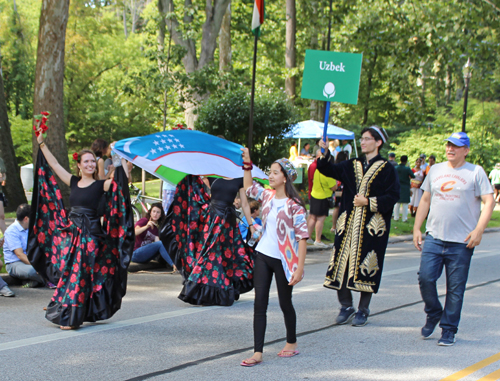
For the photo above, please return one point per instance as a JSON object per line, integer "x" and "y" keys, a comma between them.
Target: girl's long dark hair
{"x": 99, "y": 147}
{"x": 290, "y": 190}
{"x": 341, "y": 156}
{"x": 159, "y": 206}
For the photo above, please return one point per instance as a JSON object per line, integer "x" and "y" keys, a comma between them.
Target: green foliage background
{"x": 228, "y": 116}
{"x": 411, "y": 81}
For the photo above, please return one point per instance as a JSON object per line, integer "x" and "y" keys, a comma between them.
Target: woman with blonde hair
{"x": 86, "y": 261}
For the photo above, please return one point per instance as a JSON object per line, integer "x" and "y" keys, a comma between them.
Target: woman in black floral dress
{"x": 86, "y": 261}
{"x": 210, "y": 252}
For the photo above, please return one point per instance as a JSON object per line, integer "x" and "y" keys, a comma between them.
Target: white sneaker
{"x": 6, "y": 291}
{"x": 320, "y": 244}
{"x": 310, "y": 241}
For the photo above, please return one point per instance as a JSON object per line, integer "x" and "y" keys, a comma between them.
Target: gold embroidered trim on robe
{"x": 332, "y": 260}
{"x": 376, "y": 227}
{"x": 373, "y": 204}
{"x": 341, "y": 223}
{"x": 370, "y": 264}
{"x": 350, "y": 249}
{"x": 363, "y": 287}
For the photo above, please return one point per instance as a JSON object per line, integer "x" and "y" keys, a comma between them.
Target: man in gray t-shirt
{"x": 453, "y": 192}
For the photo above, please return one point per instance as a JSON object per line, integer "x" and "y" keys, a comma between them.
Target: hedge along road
{"x": 156, "y": 336}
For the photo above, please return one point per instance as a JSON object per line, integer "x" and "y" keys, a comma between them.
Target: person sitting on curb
{"x": 14, "y": 250}
{"x": 147, "y": 241}
{"x": 4, "y": 288}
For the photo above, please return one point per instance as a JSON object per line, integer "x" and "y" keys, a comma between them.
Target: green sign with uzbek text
{"x": 331, "y": 76}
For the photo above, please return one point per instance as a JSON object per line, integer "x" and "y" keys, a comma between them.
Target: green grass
{"x": 152, "y": 187}
{"x": 495, "y": 219}
{"x": 2, "y": 271}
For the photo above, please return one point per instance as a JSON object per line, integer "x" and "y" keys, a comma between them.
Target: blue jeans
{"x": 2, "y": 283}
{"x": 455, "y": 257}
{"x": 145, "y": 253}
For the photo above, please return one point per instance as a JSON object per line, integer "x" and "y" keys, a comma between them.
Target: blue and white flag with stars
{"x": 171, "y": 155}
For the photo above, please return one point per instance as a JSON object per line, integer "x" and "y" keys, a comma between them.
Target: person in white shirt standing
{"x": 453, "y": 192}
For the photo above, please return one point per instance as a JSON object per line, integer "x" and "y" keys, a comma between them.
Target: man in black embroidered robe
{"x": 371, "y": 189}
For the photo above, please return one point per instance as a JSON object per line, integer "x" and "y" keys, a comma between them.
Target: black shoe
{"x": 345, "y": 315}
{"x": 429, "y": 327}
{"x": 323, "y": 238}
{"x": 360, "y": 319}
{"x": 447, "y": 338}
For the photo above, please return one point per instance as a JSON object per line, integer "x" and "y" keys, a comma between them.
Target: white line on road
{"x": 99, "y": 327}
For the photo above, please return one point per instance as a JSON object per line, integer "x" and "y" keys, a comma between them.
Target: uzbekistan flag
{"x": 258, "y": 16}
{"x": 171, "y": 155}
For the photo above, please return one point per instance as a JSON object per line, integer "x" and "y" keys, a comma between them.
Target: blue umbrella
{"x": 311, "y": 129}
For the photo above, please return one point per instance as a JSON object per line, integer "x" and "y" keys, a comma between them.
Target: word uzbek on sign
{"x": 331, "y": 76}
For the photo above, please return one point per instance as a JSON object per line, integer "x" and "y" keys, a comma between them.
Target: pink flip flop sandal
{"x": 288, "y": 353}
{"x": 249, "y": 364}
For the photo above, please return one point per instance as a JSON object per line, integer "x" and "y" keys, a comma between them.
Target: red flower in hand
{"x": 46, "y": 113}
{"x": 75, "y": 156}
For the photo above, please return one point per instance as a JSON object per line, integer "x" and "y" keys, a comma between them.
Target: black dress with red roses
{"x": 88, "y": 262}
{"x": 211, "y": 255}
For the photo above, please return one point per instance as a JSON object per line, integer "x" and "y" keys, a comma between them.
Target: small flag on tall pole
{"x": 257, "y": 21}
{"x": 258, "y": 17}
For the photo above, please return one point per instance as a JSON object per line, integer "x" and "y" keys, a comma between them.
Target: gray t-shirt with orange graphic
{"x": 455, "y": 200}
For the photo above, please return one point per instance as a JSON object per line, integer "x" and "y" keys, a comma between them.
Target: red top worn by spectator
{"x": 310, "y": 177}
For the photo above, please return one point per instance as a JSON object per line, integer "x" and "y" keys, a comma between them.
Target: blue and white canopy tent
{"x": 171, "y": 155}
{"x": 311, "y": 129}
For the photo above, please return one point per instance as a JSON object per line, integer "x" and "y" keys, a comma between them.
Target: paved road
{"x": 156, "y": 336}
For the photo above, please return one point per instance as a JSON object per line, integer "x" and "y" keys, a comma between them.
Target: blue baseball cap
{"x": 460, "y": 139}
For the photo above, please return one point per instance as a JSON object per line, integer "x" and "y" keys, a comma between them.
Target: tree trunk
{"x": 125, "y": 21}
{"x": 49, "y": 80}
{"x": 369, "y": 87}
{"x": 133, "y": 10}
{"x": 13, "y": 186}
{"x": 422, "y": 83}
{"x": 291, "y": 22}
{"x": 225, "y": 52}
{"x": 163, "y": 66}
{"x": 211, "y": 28}
{"x": 315, "y": 113}
{"x": 447, "y": 81}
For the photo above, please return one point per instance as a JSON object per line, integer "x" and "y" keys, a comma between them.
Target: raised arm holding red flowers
{"x": 86, "y": 163}
{"x": 40, "y": 129}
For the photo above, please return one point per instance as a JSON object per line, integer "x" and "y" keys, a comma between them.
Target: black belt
{"x": 222, "y": 209}
{"x": 87, "y": 217}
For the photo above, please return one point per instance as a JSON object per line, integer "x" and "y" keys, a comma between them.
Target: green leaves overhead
{"x": 117, "y": 85}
